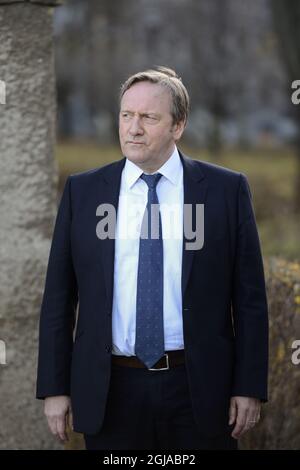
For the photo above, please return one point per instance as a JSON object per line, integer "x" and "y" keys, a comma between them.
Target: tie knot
{"x": 151, "y": 180}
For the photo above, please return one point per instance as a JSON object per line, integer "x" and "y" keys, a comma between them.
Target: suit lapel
{"x": 111, "y": 190}
{"x": 195, "y": 189}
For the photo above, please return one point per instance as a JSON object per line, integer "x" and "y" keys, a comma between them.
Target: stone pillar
{"x": 28, "y": 177}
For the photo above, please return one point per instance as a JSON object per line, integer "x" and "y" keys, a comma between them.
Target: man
{"x": 171, "y": 342}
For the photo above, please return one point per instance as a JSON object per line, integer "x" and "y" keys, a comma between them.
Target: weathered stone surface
{"x": 27, "y": 187}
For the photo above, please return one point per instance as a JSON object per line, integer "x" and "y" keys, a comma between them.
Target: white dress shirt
{"x": 132, "y": 203}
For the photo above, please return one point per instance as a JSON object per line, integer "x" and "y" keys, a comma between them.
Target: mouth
{"x": 135, "y": 143}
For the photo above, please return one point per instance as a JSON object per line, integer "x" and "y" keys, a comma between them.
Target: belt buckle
{"x": 163, "y": 368}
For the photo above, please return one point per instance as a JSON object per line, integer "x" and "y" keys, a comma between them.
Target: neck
{"x": 154, "y": 166}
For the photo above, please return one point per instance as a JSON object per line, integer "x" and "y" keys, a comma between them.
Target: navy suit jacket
{"x": 225, "y": 315}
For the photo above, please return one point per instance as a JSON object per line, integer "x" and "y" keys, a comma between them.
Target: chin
{"x": 135, "y": 158}
{"x": 135, "y": 155}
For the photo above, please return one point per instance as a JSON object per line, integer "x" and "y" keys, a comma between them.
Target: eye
{"x": 150, "y": 118}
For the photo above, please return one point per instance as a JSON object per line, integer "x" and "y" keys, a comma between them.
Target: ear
{"x": 178, "y": 129}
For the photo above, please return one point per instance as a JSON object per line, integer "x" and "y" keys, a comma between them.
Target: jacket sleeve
{"x": 249, "y": 304}
{"x": 58, "y": 310}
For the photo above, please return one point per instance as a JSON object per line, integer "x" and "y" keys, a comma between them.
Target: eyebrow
{"x": 152, "y": 113}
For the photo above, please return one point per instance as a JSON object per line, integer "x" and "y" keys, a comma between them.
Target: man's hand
{"x": 245, "y": 413}
{"x": 57, "y": 411}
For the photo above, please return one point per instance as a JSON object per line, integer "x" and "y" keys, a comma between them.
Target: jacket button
{"x": 108, "y": 348}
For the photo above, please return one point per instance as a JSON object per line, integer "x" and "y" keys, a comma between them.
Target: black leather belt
{"x": 169, "y": 360}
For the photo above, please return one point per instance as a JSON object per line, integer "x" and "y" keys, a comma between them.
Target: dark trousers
{"x": 151, "y": 410}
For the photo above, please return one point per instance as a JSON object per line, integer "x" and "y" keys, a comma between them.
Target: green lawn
{"x": 271, "y": 175}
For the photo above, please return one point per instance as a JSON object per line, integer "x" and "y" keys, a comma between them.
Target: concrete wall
{"x": 28, "y": 179}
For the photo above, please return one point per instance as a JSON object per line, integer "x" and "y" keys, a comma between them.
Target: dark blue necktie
{"x": 149, "y": 340}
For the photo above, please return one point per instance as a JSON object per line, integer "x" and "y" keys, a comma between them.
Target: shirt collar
{"x": 170, "y": 170}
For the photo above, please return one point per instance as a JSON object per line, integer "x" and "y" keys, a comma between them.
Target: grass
{"x": 269, "y": 168}
{"x": 271, "y": 175}
{"x": 73, "y": 157}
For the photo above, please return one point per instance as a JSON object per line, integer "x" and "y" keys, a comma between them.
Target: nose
{"x": 135, "y": 127}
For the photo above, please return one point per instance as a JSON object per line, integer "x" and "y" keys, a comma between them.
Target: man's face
{"x": 146, "y": 130}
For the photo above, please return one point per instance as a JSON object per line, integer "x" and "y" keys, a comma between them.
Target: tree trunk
{"x": 28, "y": 178}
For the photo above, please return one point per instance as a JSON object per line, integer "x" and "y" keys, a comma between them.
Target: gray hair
{"x": 168, "y": 78}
